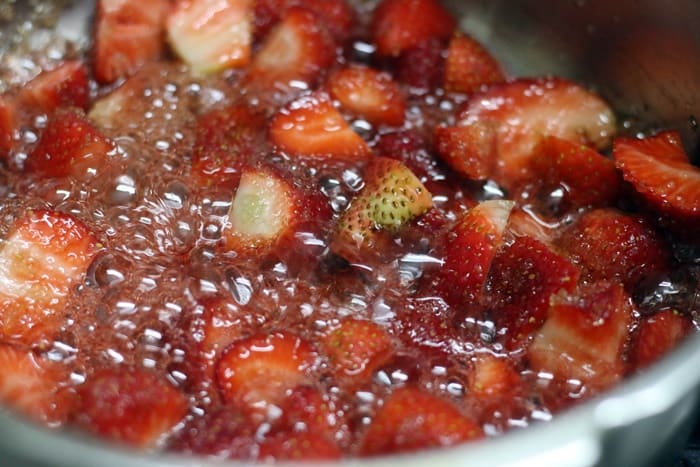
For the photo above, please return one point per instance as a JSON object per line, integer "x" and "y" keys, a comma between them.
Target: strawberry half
{"x": 212, "y": 35}
{"x": 129, "y": 405}
{"x": 45, "y": 255}
{"x": 657, "y": 335}
{"x": 391, "y": 197}
{"x": 422, "y": 66}
{"x": 584, "y": 336}
{"x": 128, "y": 34}
{"x": 69, "y": 145}
{"x": 312, "y": 126}
{"x": 472, "y": 245}
{"x": 65, "y": 86}
{"x": 257, "y": 372}
{"x": 9, "y": 125}
{"x": 411, "y": 419}
{"x": 512, "y": 119}
{"x": 469, "y": 66}
{"x": 371, "y": 94}
{"x": 659, "y": 170}
{"x": 398, "y": 25}
{"x": 492, "y": 376}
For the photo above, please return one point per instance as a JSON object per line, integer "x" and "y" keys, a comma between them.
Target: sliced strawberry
{"x": 523, "y": 278}
{"x": 33, "y": 386}
{"x": 65, "y": 86}
{"x": 584, "y": 336}
{"x": 221, "y": 324}
{"x": 298, "y": 446}
{"x": 609, "y": 244}
{"x": 128, "y": 33}
{"x": 337, "y": 15}
{"x": 473, "y": 243}
{"x": 256, "y": 373}
{"x": 468, "y": 149}
{"x": 45, "y": 255}
{"x": 525, "y": 223}
{"x": 515, "y": 116}
{"x": 422, "y": 66}
{"x": 412, "y": 419}
{"x": 469, "y": 66}
{"x": 587, "y": 177}
{"x": 428, "y": 324}
{"x": 262, "y": 212}
{"x": 657, "y": 335}
{"x": 368, "y": 93}
{"x": 9, "y": 125}
{"x": 398, "y": 25}
{"x": 391, "y": 197}
{"x": 409, "y": 147}
{"x": 308, "y": 409}
{"x": 69, "y": 145}
{"x": 299, "y": 48}
{"x": 226, "y": 139}
{"x": 659, "y": 170}
{"x": 212, "y": 35}
{"x": 356, "y": 349}
{"x": 311, "y": 126}
{"x": 130, "y": 405}
{"x": 492, "y": 376}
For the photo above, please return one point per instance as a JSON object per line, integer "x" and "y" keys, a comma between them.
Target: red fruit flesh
{"x": 8, "y": 125}
{"x": 337, "y": 15}
{"x": 469, "y": 66}
{"x": 292, "y": 446}
{"x": 492, "y": 376}
{"x": 657, "y": 335}
{"x": 64, "y": 86}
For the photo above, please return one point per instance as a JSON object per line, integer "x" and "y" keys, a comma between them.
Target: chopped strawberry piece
{"x": 469, "y": 66}
{"x": 69, "y": 145}
{"x": 657, "y": 335}
{"x": 492, "y": 376}
{"x": 356, "y": 349}
{"x": 609, "y": 244}
{"x": 226, "y": 139}
{"x": 307, "y": 408}
{"x": 33, "y": 386}
{"x": 412, "y": 419}
{"x": 311, "y": 126}
{"x": 8, "y": 125}
{"x": 398, "y": 25}
{"x": 128, "y": 34}
{"x": 587, "y": 177}
{"x": 525, "y": 223}
{"x": 473, "y": 243}
{"x": 65, "y": 86}
{"x": 659, "y": 170}
{"x": 44, "y": 256}
{"x": 413, "y": 151}
{"x": 584, "y": 336}
{"x": 337, "y": 15}
{"x": 523, "y": 278}
{"x": 299, "y": 48}
{"x": 468, "y": 149}
{"x": 129, "y": 405}
{"x": 212, "y": 35}
{"x": 428, "y": 324}
{"x": 422, "y": 66}
{"x": 298, "y": 446}
{"x": 256, "y": 372}
{"x": 221, "y": 324}
{"x": 516, "y": 115}
{"x": 368, "y": 93}
{"x": 391, "y": 197}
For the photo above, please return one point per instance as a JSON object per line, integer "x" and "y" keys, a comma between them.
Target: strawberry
{"x": 64, "y": 86}
{"x": 256, "y": 372}
{"x": 128, "y": 33}
{"x": 69, "y": 145}
{"x": 413, "y": 151}
{"x": 657, "y": 335}
{"x": 32, "y": 386}
{"x": 468, "y": 149}
{"x": 43, "y": 257}
{"x": 9, "y": 125}
{"x": 472, "y": 245}
{"x": 398, "y": 25}
{"x": 262, "y": 212}
{"x": 371, "y": 94}
{"x": 525, "y": 223}
{"x": 412, "y": 419}
{"x": 356, "y": 349}
{"x": 294, "y": 446}
{"x": 659, "y": 170}
{"x": 225, "y": 140}
{"x": 492, "y": 376}
{"x": 336, "y": 15}
{"x": 428, "y": 324}
{"x": 469, "y": 66}
{"x": 587, "y": 177}
{"x": 609, "y": 244}
{"x": 212, "y": 35}
{"x": 584, "y": 336}
{"x": 130, "y": 405}
{"x": 391, "y": 197}
{"x": 219, "y": 324}
{"x": 308, "y": 409}
{"x": 513, "y": 117}
{"x": 523, "y": 278}
{"x": 298, "y": 48}
{"x": 422, "y": 66}
{"x": 311, "y": 126}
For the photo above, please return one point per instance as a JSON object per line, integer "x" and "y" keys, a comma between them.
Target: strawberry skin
{"x": 128, "y": 34}
{"x": 212, "y": 35}
{"x": 337, "y": 15}
{"x": 411, "y": 419}
{"x": 311, "y": 126}
{"x": 659, "y": 170}
{"x": 657, "y": 335}
{"x": 428, "y": 324}
{"x": 64, "y": 86}
{"x": 472, "y": 245}
{"x": 469, "y": 66}
{"x": 45, "y": 255}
